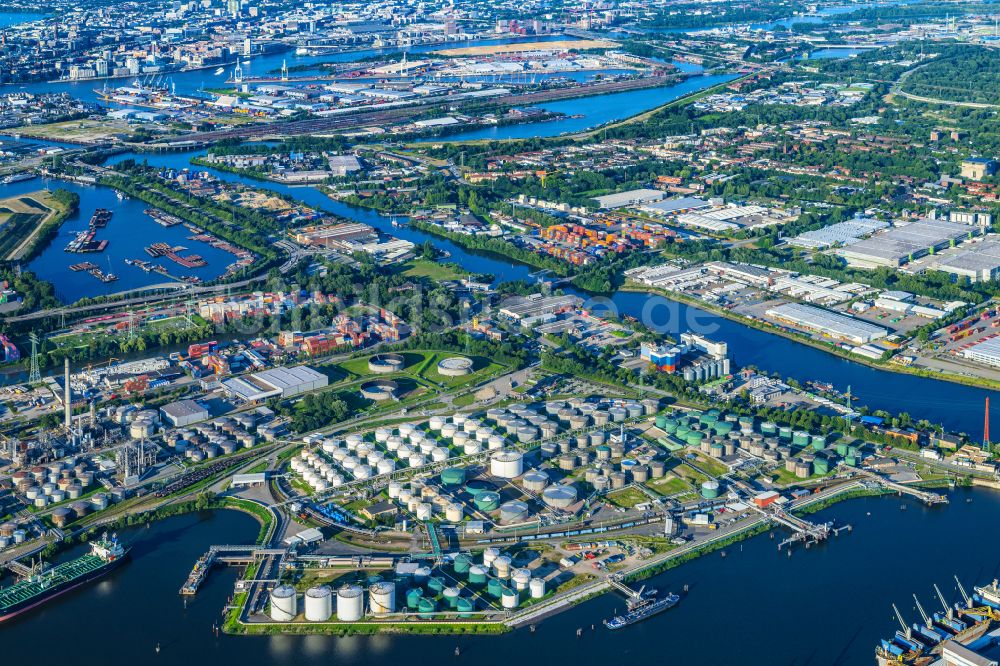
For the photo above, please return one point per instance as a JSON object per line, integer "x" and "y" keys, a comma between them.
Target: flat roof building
{"x": 980, "y": 262}
{"x": 629, "y": 198}
{"x": 277, "y": 382}
{"x": 183, "y": 412}
{"x": 903, "y": 244}
{"x": 527, "y": 310}
{"x": 830, "y": 324}
{"x": 987, "y": 351}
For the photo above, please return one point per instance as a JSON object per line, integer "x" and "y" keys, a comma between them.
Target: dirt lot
{"x": 561, "y": 45}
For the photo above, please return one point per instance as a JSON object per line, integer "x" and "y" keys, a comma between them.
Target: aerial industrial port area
{"x": 361, "y": 332}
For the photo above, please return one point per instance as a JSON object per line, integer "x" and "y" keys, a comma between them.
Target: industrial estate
{"x": 487, "y": 314}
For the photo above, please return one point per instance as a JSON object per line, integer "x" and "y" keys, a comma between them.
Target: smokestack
{"x": 67, "y": 400}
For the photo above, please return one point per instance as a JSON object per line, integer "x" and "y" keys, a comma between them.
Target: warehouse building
{"x": 830, "y": 324}
{"x": 838, "y": 235}
{"x": 980, "y": 262}
{"x": 630, "y": 198}
{"x": 183, "y": 412}
{"x": 537, "y": 308}
{"x": 987, "y": 351}
{"x": 277, "y": 382}
{"x": 903, "y": 244}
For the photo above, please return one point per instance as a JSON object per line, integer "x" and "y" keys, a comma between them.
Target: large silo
{"x": 350, "y": 603}
{"x": 284, "y": 603}
{"x": 318, "y": 604}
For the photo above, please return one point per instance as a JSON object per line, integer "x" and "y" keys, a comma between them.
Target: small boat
{"x": 219, "y": 71}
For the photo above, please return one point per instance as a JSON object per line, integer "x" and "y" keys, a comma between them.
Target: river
{"x": 7, "y": 19}
{"x": 826, "y": 606}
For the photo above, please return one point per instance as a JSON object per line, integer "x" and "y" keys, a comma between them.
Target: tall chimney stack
{"x": 67, "y": 400}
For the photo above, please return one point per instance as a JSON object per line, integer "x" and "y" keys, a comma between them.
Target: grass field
{"x": 627, "y": 497}
{"x": 82, "y": 131}
{"x": 668, "y": 485}
{"x": 21, "y": 216}
{"x": 432, "y": 270}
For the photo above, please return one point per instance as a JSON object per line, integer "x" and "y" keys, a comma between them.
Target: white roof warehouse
{"x": 831, "y": 324}
{"x": 277, "y": 382}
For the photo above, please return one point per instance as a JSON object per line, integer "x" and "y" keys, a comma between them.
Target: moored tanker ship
{"x": 105, "y": 555}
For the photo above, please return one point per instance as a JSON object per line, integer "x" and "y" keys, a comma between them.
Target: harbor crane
{"x": 907, "y": 631}
{"x": 928, "y": 622}
{"x": 965, "y": 597}
{"x": 948, "y": 610}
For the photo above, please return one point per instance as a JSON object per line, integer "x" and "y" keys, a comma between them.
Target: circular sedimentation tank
{"x": 379, "y": 390}
{"x": 382, "y": 364}
{"x": 456, "y": 366}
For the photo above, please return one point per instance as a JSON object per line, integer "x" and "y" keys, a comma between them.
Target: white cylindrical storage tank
{"x": 490, "y": 554}
{"x": 537, "y": 588}
{"x": 386, "y": 467}
{"x": 521, "y": 578}
{"x": 507, "y": 464}
{"x": 382, "y": 435}
{"x": 470, "y": 426}
{"x": 406, "y": 429}
{"x": 502, "y": 566}
{"x": 436, "y": 423}
{"x": 535, "y": 480}
{"x": 448, "y": 430}
{"x": 509, "y": 598}
{"x": 318, "y": 604}
{"x": 460, "y": 438}
{"x": 284, "y": 603}
{"x": 416, "y": 460}
{"x": 423, "y": 511}
{"x": 459, "y": 419}
{"x": 454, "y": 513}
{"x": 438, "y": 454}
{"x": 394, "y": 489}
{"x": 350, "y": 603}
{"x": 527, "y": 433}
{"x": 354, "y": 441}
{"x": 393, "y": 443}
{"x": 472, "y": 448}
{"x": 496, "y": 442}
{"x": 382, "y": 598}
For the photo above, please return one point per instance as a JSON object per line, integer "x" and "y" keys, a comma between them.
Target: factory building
{"x": 987, "y": 351}
{"x": 336, "y": 236}
{"x": 663, "y": 357}
{"x": 528, "y": 310}
{"x": 830, "y": 324}
{"x": 840, "y": 234}
{"x": 629, "y": 198}
{"x": 183, "y": 412}
{"x": 980, "y": 262}
{"x": 277, "y": 382}
{"x": 903, "y": 244}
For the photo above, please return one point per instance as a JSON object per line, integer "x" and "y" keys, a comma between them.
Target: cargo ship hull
{"x": 11, "y": 612}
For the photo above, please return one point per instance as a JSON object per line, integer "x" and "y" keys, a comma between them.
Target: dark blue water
{"x": 826, "y": 606}
{"x": 128, "y": 232}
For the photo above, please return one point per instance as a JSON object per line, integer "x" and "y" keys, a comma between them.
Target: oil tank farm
{"x": 507, "y": 464}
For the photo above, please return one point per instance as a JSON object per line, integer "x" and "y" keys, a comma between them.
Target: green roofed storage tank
{"x": 821, "y": 466}
{"x": 842, "y": 449}
{"x": 851, "y": 461}
{"x": 465, "y": 607}
{"x": 494, "y": 588}
{"x": 426, "y": 607}
{"x": 661, "y": 422}
{"x": 852, "y": 451}
{"x": 453, "y": 476}
{"x": 694, "y": 438}
{"x": 768, "y": 429}
{"x": 435, "y": 585}
{"x": 682, "y": 432}
{"x": 710, "y": 489}
{"x": 413, "y": 598}
{"x": 818, "y": 442}
{"x": 723, "y": 428}
{"x": 462, "y": 563}
{"x": 670, "y": 427}
{"x": 800, "y": 438}
{"x": 784, "y": 432}
{"x": 475, "y": 487}
{"x": 708, "y": 418}
{"x": 488, "y": 501}
{"x": 477, "y": 574}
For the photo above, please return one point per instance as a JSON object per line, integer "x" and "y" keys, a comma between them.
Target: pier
{"x": 924, "y": 496}
{"x": 226, "y": 554}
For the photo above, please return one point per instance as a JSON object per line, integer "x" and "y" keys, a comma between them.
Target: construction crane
{"x": 544, "y": 175}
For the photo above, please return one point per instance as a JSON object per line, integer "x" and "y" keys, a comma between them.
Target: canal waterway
{"x": 957, "y": 407}
{"x": 825, "y": 606}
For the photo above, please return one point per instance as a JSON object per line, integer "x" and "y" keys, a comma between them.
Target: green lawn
{"x": 668, "y": 485}
{"x": 432, "y": 270}
{"x": 627, "y": 497}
